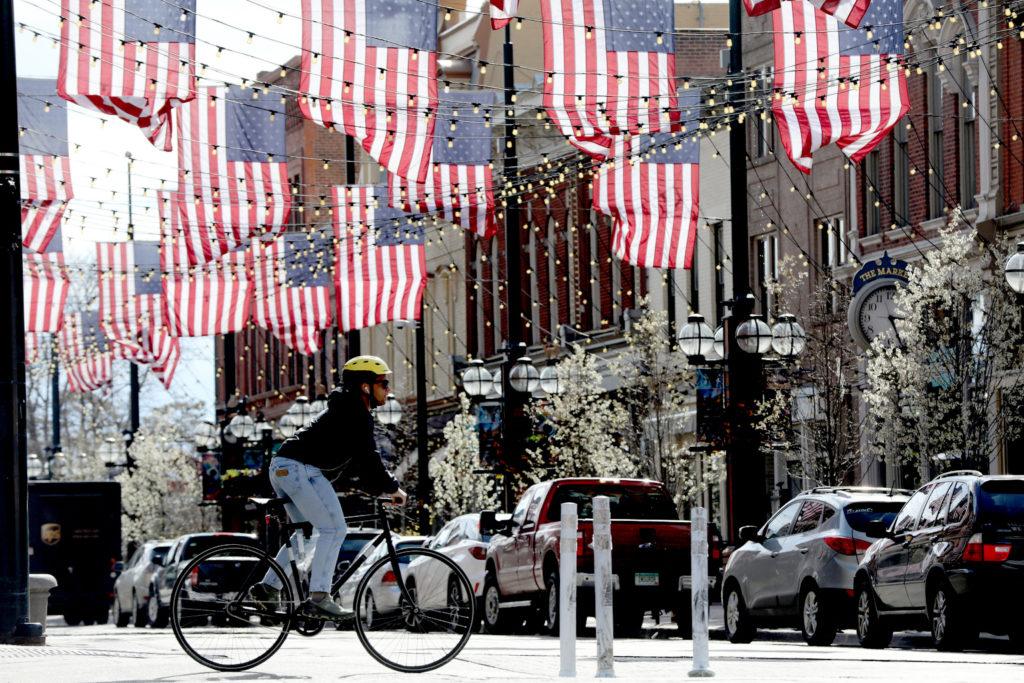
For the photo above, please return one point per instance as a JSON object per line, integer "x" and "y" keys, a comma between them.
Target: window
{"x": 295, "y": 216}
{"x": 534, "y": 312}
{"x": 520, "y": 512}
{"x": 908, "y": 515}
{"x": 810, "y": 515}
{"x": 932, "y": 514}
{"x": 595, "y": 273}
{"x": 872, "y": 208}
{"x": 936, "y": 159}
{"x": 959, "y": 504}
{"x": 901, "y": 176}
{"x": 860, "y": 515}
{"x": 695, "y": 279}
{"x": 159, "y": 553}
{"x": 552, "y": 247}
{"x": 762, "y": 124}
{"x": 780, "y": 523}
{"x": 632, "y": 502}
{"x": 968, "y": 150}
{"x": 767, "y": 270}
{"x": 496, "y": 285}
{"x": 833, "y": 251}
{"x": 826, "y": 514}
{"x": 719, "y": 272}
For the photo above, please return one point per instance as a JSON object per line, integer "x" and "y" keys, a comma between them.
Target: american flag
{"x": 381, "y": 271}
{"x": 43, "y": 159}
{"x": 651, "y": 190}
{"x": 369, "y": 68}
{"x": 293, "y": 287}
{"x": 609, "y": 69}
{"x": 837, "y": 84}
{"x": 134, "y": 59}
{"x": 84, "y": 352}
{"x": 233, "y": 169}
{"x": 32, "y": 344}
{"x": 850, "y": 12}
{"x": 502, "y": 12}
{"x": 131, "y": 305}
{"x": 461, "y": 181}
{"x": 46, "y": 287}
{"x": 206, "y": 299}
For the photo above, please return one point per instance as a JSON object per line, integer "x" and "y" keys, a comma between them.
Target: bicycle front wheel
{"x": 217, "y": 619}
{"x": 422, "y": 628}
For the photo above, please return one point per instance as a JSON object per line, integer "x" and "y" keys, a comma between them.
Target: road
{"x": 106, "y": 653}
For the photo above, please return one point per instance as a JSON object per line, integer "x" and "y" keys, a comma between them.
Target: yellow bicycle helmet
{"x": 371, "y": 364}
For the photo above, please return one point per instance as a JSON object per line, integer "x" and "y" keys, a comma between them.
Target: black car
{"x": 952, "y": 559}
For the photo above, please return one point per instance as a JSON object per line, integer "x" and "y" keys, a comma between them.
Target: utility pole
{"x": 423, "y": 487}
{"x": 513, "y": 436}
{"x": 13, "y": 478}
{"x": 133, "y": 368}
{"x": 353, "y": 346}
{"x": 743, "y": 378}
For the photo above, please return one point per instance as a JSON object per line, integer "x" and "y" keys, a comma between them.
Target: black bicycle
{"x": 413, "y": 608}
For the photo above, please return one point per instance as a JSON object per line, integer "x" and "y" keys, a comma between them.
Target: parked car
{"x": 131, "y": 587}
{"x": 382, "y": 593}
{"x": 462, "y": 540}
{"x": 650, "y": 555}
{"x": 953, "y": 559}
{"x": 214, "y": 575}
{"x": 798, "y": 569}
{"x": 355, "y": 540}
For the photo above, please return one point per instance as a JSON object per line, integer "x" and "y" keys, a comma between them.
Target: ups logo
{"x": 50, "y": 533}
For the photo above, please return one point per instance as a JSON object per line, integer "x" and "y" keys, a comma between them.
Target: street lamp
{"x": 1015, "y": 269}
{"x": 696, "y": 340}
{"x": 788, "y": 337}
{"x": 112, "y": 453}
{"x": 242, "y": 428}
{"x": 317, "y": 408}
{"x": 551, "y": 380}
{"x": 477, "y": 379}
{"x": 390, "y": 413}
{"x": 524, "y": 377}
{"x": 754, "y": 336}
{"x": 34, "y": 467}
{"x": 207, "y": 436}
{"x": 718, "y": 346}
{"x": 288, "y": 424}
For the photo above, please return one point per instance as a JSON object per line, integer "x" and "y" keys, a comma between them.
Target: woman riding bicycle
{"x": 338, "y": 447}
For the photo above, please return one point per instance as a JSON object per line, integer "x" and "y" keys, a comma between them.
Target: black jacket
{"x": 340, "y": 442}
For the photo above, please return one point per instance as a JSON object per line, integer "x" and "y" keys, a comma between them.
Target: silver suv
{"x": 798, "y": 568}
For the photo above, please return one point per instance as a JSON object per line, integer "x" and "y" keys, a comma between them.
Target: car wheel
{"x": 817, "y": 623}
{"x": 683, "y": 616}
{"x": 72, "y": 618}
{"x": 1017, "y": 640}
{"x": 950, "y": 630}
{"x": 369, "y": 611}
{"x": 158, "y": 615}
{"x": 102, "y": 616}
{"x": 140, "y": 616}
{"x": 496, "y": 620}
{"x": 871, "y": 631}
{"x": 738, "y": 626}
{"x": 121, "y": 618}
{"x": 629, "y": 622}
{"x": 549, "y": 603}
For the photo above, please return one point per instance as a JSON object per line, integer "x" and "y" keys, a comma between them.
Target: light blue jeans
{"x": 313, "y": 500}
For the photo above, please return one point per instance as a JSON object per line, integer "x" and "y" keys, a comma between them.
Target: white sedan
{"x": 461, "y": 541}
{"x": 382, "y": 592}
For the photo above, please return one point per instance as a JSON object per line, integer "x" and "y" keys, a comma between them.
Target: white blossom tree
{"x": 589, "y": 432}
{"x": 695, "y": 471}
{"x": 457, "y": 488}
{"x": 945, "y": 392}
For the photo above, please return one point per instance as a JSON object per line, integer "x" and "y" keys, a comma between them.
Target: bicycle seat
{"x": 272, "y": 506}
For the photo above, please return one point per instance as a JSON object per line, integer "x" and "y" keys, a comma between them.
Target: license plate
{"x": 645, "y": 579}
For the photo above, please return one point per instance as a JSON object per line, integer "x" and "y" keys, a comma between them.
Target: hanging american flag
{"x": 131, "y": 305}
{"x": 206, "y": 299}
{"x": 835, "y": 83}
{"x": 651, "y": 190}
{"x": 609, "y": 69}
{"x": 380, "y": 271}
{"x": 134, "y": 59}
{"x": 84, "y": 352}
{"x": 46, "y": 286}
{"x": 460, "y": 188}
{"x": 502, "y": 12}
{"x": 233, "y": 170}
{"x": 43, "y": 159}
{"x": 369, "y": 68}
{"x": 850, "y": 12}
{"x": 293, "y": 287}
{"x": 32, "y": 347}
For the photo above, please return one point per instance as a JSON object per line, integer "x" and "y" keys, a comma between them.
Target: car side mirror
{"x": 749, "y": 533}
{"x": 489, "y": 524}
{"x": 527, "y": 527}
{"x": 877, "y": 528}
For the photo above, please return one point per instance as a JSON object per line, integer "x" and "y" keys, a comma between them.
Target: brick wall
{"x": 951, "y": 149}
{"x": 1011, "y": 68}
{"x": 697, "y": 52}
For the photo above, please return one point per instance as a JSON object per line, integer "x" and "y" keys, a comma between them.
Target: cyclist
{"x": 338, "y": 446}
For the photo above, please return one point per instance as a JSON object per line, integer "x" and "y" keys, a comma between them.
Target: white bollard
{"x": 567, "y": 590}
{"x": 699, "y": 592}
{"x": 603, "y": 588}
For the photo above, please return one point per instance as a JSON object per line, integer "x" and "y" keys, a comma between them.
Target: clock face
{"x": 874, "y": 313}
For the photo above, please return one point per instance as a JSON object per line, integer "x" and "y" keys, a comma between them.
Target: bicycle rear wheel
{"x": 423, "y": 632}
{"x": 214, "y": 617}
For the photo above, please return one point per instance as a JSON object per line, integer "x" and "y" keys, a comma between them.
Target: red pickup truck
{"x": 650, "y": 556}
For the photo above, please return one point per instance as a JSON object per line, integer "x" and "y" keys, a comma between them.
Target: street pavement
{"x": 106, "y": 653}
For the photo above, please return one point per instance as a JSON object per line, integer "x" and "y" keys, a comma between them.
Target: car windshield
{"x": 860, "y": 515}
{"x": 629, "y": 502}
{"x": 1001, "y": 501}
{"x": 201, "y": 544}
{"x": 352, "y": 546}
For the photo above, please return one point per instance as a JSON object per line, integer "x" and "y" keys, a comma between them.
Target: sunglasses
{"x": 384, "y": 383}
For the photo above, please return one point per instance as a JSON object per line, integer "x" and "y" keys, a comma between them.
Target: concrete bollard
{"x": 567, "y": 590}
{"x": 603, "y": 588}
{"x": 39, "y": 587}
{"x": 699, "y": 592}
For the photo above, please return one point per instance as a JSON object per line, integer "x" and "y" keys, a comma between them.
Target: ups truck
{"x": 75, "y": 535}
